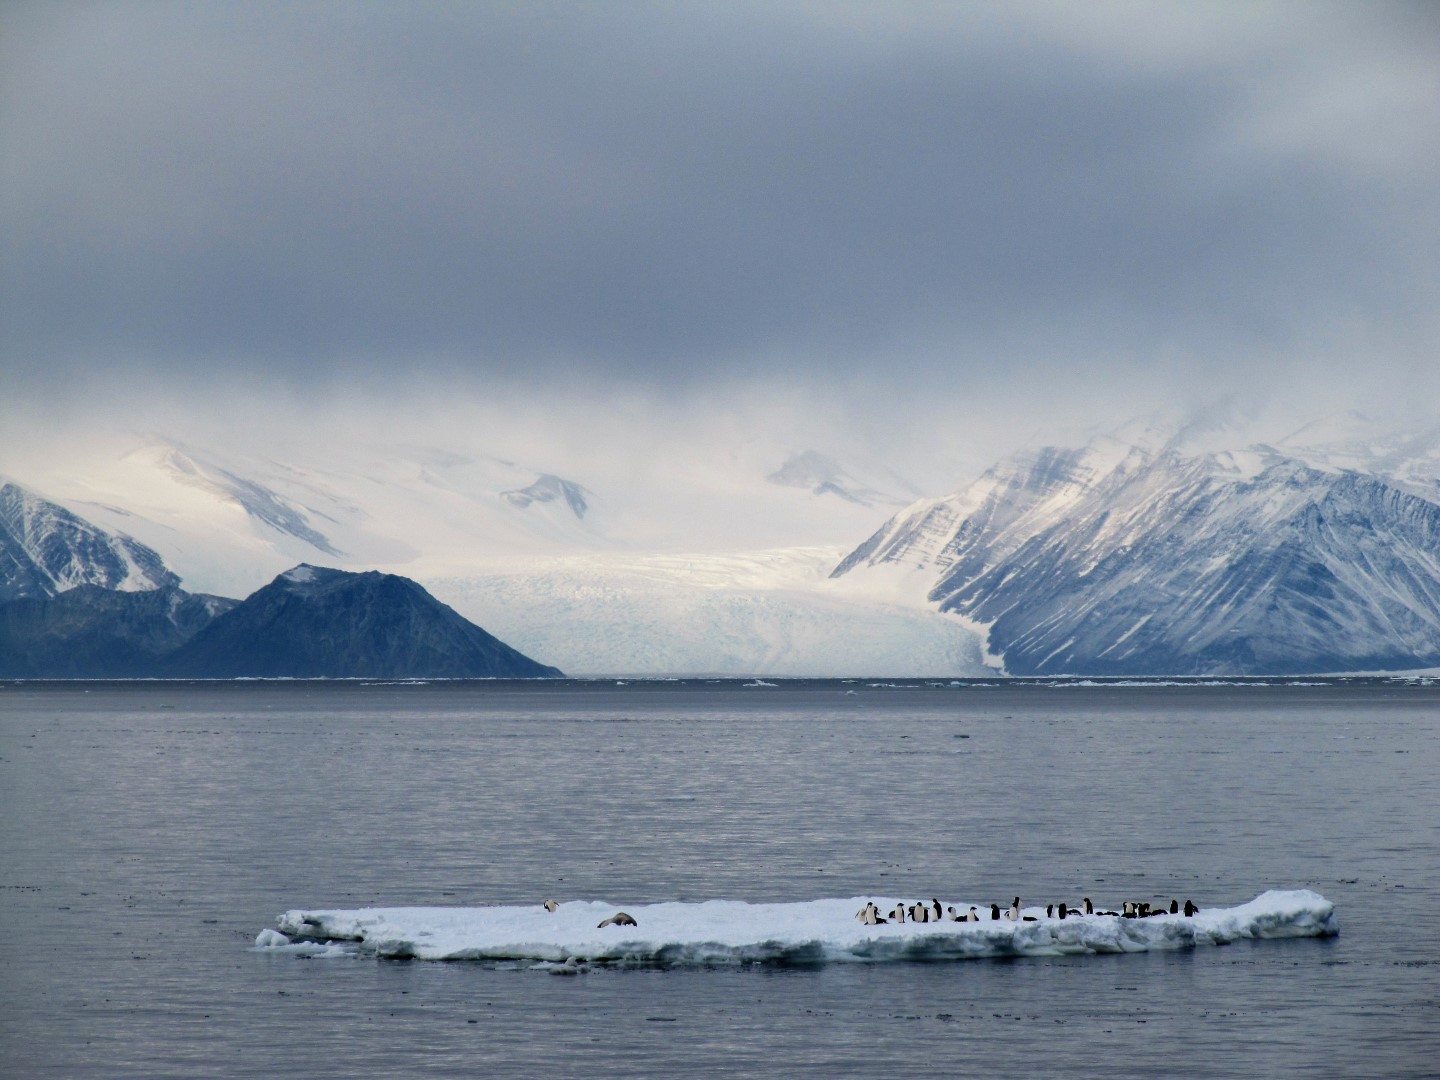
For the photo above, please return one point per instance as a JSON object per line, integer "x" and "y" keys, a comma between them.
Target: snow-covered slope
{"x": 1125, "y": 558}
{"x": 45, "y": 549}
{"x": 1408, "y": 458}
{"x": 229, "y": 523}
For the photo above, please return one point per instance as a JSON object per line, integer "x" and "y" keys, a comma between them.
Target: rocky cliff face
{"x": 313, "y": 622}
{"x": 1125, "y": 560}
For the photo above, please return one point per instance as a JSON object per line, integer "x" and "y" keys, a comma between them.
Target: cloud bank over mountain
{"x": 975, "y": 215}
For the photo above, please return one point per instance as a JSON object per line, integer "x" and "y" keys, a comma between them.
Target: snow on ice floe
{"x": 730, "y": 932}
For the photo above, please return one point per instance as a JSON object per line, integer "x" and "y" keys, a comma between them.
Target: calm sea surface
{"x": 149, "y": 831}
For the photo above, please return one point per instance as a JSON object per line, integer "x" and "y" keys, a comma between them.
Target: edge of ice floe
{"x": 733, "y": 932}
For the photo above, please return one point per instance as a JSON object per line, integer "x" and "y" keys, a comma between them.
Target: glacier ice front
{"x": 730, "y": 932}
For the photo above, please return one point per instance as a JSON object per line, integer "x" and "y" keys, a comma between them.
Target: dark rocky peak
{"x": 318, "y": 622}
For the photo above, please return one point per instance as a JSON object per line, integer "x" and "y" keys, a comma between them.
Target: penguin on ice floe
{"x": 994, "y": 912}
{"x": 935, "y": 904}
{"x": 870, "y": 915}
{"x": 972, "y": 915}
{"x": 898, "y": 915}
{"x": 1013, "y": 911}
{"x": 550, "y": 906}
{"x": 618, "y": 919}
{"x": 1190, "y": 909}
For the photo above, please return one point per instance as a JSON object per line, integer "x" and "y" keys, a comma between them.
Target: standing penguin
{"x": 1013, "y": 911}
{"x": 1190, "y": 909}
{"x": 972, "y": 915}
{"x": 994, "y": 912}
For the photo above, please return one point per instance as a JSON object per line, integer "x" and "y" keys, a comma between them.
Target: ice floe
{"x": 730, "y": 932}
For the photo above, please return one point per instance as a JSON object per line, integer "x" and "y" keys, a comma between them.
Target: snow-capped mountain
{"x": 45, "y": 550}
{"x": 1405, "y": 457}
{"x": 548, "y": 489}
{"x": 1137, "y": 556}
{"x": 228, "y": 522}
{"x": 1153, "y": 549}
{"x": 821, "y": 474}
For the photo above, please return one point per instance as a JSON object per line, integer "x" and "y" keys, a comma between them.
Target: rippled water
{"x": 149, "y": 831}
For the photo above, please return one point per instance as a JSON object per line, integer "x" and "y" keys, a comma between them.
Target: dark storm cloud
{"x": 672, "y": 192}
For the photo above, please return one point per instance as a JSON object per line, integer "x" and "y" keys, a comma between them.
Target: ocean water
{"x": 149, "y": 831}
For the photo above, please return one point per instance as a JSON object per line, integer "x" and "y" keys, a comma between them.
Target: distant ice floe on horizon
{"x": 733, "y": 932}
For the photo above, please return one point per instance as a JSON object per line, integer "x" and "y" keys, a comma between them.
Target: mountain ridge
{"x": 1155, "y": 562}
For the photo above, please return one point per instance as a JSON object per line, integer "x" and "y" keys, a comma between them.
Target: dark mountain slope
{"x": 313, "y": 622}
{"x": 89, "y": 632}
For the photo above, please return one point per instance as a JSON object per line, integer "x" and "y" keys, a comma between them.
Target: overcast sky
{"x": 969, "y": 214}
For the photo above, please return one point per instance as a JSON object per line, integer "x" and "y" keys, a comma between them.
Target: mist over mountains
{"x": 1167, "y": 546}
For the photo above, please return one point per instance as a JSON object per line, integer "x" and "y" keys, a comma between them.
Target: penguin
{"x": 994, "y": 912}
{"x": 1050, "y": 910}
{"x": 936, "y": 905}
{"x": 1028, "y": 918}
{"x": 550, "y": 906}
{"x": 1062, "y": 911}
{"x": 972, "y": 915}
{"x": 1174, "y": 907}
{"x": 950, "y": 911}
{"x": 1127, "y": 910}
{"x": 1013, "y": 912}
{"x": 1089, "y": 907}
{"x": 1190, "y": 909}
{"x": 898, "y": 915}
{"x": 618, "y": 919}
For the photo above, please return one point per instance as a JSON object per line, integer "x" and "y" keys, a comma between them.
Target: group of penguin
{"x": 921, "y": 912}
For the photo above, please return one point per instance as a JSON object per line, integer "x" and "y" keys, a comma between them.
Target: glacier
{"x": 735, "y": 932}
{"x": 771, "y": 613}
